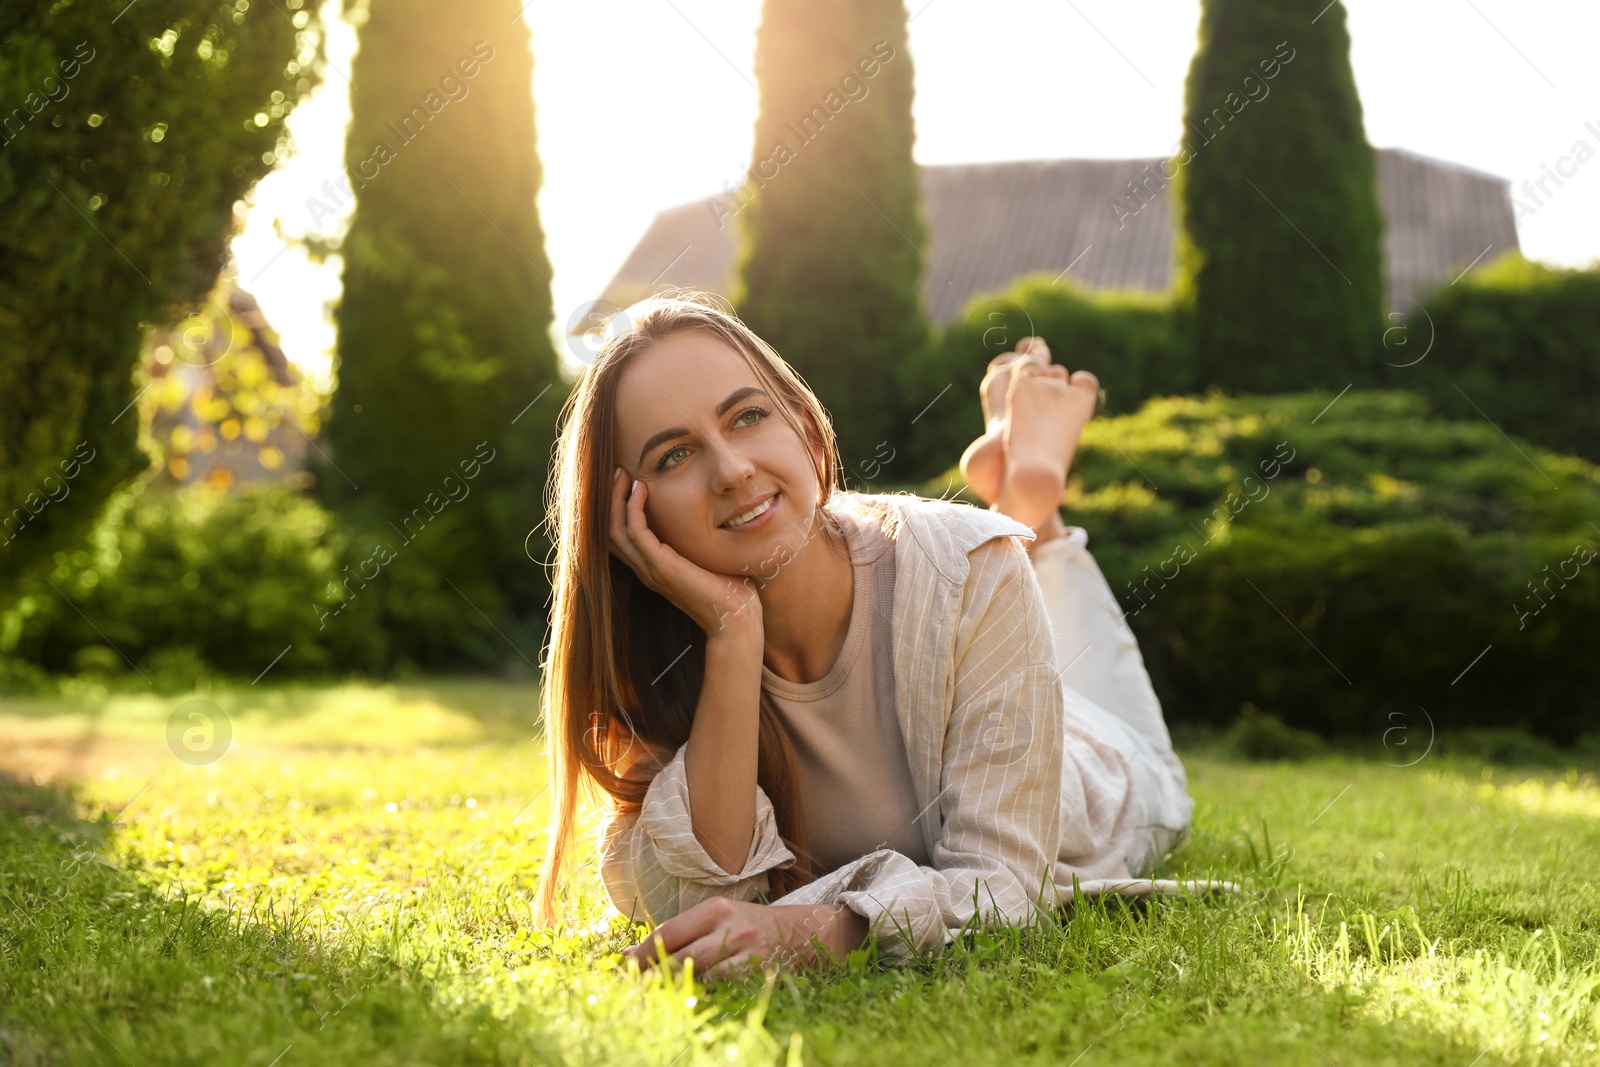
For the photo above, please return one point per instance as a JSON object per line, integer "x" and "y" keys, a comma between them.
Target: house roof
{"x": 988, "y": 223}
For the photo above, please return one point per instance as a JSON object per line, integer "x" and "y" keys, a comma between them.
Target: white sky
{"x": 643, "y": 104}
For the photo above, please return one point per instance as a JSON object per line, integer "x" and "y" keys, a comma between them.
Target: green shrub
{"x": 1329, "y": 569}
{"x": 1502, "y": 746}
{"x": 180, "y": 585}
{"x": 1129, "y": 340}
{"x": 1261, "y": 735}
{"x": 1519, "y": 340}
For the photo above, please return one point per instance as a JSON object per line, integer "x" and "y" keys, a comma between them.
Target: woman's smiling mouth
{"x": 754, "y": 517}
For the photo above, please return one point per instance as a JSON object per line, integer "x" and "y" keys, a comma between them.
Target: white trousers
{"x": 1100, "y": 661}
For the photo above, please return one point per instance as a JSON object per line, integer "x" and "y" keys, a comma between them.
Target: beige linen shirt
{"x": 1016, "y": 801}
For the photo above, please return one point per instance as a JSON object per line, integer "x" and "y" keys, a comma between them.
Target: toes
{"x": 1005, "y": 359}
{"x": 1035, "y": 349}
{"x": 1050, "y": 372}
{"x": 1018, "y": 376}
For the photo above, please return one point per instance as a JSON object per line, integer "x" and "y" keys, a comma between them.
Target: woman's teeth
{"x": 759, "y": 509}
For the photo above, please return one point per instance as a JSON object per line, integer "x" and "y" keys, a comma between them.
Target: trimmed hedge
{"x": 1372, "y": 568}
{"x": 1130, "y": 340}
{"x": 1518, "y": 339}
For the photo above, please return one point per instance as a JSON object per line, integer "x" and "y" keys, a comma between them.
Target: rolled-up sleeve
{"x": 999, "y": 803}
{"x": 654, "y": 867}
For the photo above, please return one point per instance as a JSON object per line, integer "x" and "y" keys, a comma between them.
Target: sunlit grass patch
{"x": 1518, "y": 1002}
{"x": 351, "y": 882}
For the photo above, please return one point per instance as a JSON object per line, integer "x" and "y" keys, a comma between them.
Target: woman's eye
{"x": 759, "y": 412}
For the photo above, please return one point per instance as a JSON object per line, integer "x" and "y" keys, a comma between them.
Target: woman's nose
{"x": 732, "y": 467}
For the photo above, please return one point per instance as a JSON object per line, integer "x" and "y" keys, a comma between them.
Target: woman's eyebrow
{"x": 678, "y": 431}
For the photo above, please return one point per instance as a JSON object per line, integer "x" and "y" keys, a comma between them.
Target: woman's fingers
{"x": 705, "y": 596}
{"x": 682, "y": 929}
{"x": 627, "y": 519}
{"x": 709, "y": 951}
{"x": 618, "y": 516}
{"x": 734, "y": 965}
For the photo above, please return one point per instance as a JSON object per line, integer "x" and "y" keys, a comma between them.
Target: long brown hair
{"x": 607, "y": 687}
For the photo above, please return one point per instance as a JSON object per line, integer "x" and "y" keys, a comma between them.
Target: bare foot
{"x": 983, "y": 463}
{"x": 1047, "y": 410}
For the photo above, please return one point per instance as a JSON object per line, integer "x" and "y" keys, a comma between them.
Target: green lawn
{"x": 350, "y": 883}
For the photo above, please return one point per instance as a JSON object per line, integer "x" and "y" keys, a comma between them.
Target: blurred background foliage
{"x": 222, "y": 404}
{"x": 831, "y": 232}
{"x": 1520, "y": 335}
{"x": 118, "y": 196}
{"x": 1402, "y": 554}
{"x": 444, "y": 349}
{"x": 1259, "y": 195}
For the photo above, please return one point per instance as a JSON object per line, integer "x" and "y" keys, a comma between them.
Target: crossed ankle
{"x": 1052, "y": 529}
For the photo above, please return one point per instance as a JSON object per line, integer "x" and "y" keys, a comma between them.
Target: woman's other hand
{"x": 726, "y": 937}
{"x": 716, "y": 602}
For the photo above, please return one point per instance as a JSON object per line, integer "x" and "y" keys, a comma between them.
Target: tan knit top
{"x": 855, "y": 782}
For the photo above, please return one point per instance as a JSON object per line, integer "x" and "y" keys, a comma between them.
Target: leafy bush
{"x": 1519, "y": 340}
{"x": 1335, "y": 565}
{"x": 1502, "y": 746}
{"x": 1129, "y": 340}
{"x": 175, "y": 586}
{"x": 1261, "y": 735}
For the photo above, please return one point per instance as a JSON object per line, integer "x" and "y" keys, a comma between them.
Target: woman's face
{"x": 698, "y": 428}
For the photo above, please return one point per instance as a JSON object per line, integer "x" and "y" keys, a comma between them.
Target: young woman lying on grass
{"x": 817, "y": 714}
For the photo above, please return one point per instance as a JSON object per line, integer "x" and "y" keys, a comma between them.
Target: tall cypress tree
{"x": 1280, "y": 257}
{"x": 830, "y": 215}
{"x": 444, "y": 325}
